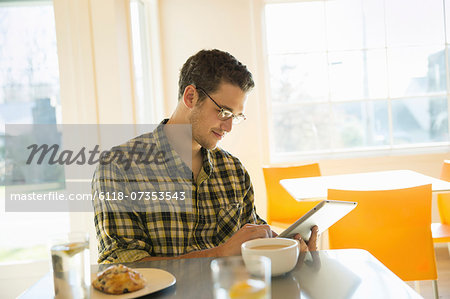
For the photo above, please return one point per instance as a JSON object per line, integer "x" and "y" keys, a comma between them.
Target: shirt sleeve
{"x": 249, "y": 210}
{"x": 121, "y": 235}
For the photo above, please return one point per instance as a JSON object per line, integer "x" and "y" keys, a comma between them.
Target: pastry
{"x": 119, "y": 279}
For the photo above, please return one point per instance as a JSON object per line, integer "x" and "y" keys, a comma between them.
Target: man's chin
{"x": 210, "y": 146}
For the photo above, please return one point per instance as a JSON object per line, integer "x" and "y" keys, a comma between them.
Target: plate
{"x": 157, "y": 280}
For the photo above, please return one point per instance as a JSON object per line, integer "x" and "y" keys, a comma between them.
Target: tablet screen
{"x": 324, "y": 214}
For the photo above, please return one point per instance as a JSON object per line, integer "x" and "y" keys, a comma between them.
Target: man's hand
{"x": 312, "y": 243}
{"x": 248, "y": 232}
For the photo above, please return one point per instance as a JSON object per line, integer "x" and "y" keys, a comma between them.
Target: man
{"x": 213, "y": 88}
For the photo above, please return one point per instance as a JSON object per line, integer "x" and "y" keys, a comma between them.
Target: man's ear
{"x": 190, "y": 96}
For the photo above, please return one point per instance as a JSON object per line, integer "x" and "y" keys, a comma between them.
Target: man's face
{"x": 207, "y": 128}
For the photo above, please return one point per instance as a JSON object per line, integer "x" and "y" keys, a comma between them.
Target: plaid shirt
{"x": 129, "y": 230}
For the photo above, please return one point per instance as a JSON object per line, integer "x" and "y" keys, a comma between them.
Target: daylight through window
{"x": 29, "y": 94}
{"x": 357, "y": 75}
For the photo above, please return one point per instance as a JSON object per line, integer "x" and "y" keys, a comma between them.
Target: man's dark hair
{"x": 208, "y": 68}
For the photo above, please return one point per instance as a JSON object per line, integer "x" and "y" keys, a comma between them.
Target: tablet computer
{"x": 324, "y": 214}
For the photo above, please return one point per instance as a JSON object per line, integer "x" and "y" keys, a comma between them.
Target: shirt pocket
{"x": 228, "y": 221}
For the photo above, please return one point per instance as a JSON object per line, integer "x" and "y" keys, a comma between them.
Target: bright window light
{"x": 357, "y": 76}
{"x": 29, "y": 93}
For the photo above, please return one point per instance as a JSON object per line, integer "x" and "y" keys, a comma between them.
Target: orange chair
{"x": 441, "y": 231}
{"x": 282, "y": 208}
{"x": 394, "y": 226}
{"x": 445, "y": 172}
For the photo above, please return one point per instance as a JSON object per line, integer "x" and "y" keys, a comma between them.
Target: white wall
{"x": 235, "y": 26}
{"x": 96, "y": 72}
{"x": 189, "y": 26}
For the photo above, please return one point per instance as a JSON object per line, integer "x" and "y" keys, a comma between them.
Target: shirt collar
{"x": 174, "y": 160}
{"x": 208, "y": 162}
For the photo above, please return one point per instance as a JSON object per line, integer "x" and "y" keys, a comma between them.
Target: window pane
{"x": 305, "y": 128}
{"x": 380, "y": 59}
{"x": 355, "y": 24}
{"x": 29, "y": 93}
{"x": 358, "y": 74}
{"x": 447, "y": 19}
{"x": 418, "y": 120}
{"x": 416, "y": 71}
{"x": 28, "y": 64}
{"x": 414, "y": 22}
{"x": 302, "y": 25}
{"x": 360, "y": 124}
{"x": 29, "y": 75}
{"x": 298, "y": 78}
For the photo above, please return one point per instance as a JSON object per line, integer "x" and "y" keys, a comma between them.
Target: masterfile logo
{"x": 140, "y": 153}
{"x": 50, "y": 168}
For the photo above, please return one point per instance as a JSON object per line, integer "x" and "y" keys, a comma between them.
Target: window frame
{"x": 343, "y": 153}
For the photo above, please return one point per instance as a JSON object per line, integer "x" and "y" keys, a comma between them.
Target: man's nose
{"x": 227, "y": 125}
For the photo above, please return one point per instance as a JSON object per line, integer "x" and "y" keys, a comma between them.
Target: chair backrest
{"x": 443, "y": 199}
{"x": 445, "y": 173}
{"x": 393, "y": 225}
{"x": 281, "y": 206}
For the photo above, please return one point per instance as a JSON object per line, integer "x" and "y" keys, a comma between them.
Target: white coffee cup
{"x": 282, "y": 252}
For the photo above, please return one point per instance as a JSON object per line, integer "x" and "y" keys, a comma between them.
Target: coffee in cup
{"x": 282, "y": 252}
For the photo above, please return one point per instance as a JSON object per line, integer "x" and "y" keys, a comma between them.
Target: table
{"x": 313, "y": 188}
{"x": 337, "y": 274}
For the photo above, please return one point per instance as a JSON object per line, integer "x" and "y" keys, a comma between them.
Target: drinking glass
{"x": 233, "y": 278}
{"x": 70, "y": 264}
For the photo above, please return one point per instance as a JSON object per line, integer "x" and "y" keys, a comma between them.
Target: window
{"x": 357, "y": 76}
{"x": 29, "y": 94}
{"x": 146, "y": 61}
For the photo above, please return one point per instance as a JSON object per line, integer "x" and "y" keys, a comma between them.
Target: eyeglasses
{"x": 225, "y": 114}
